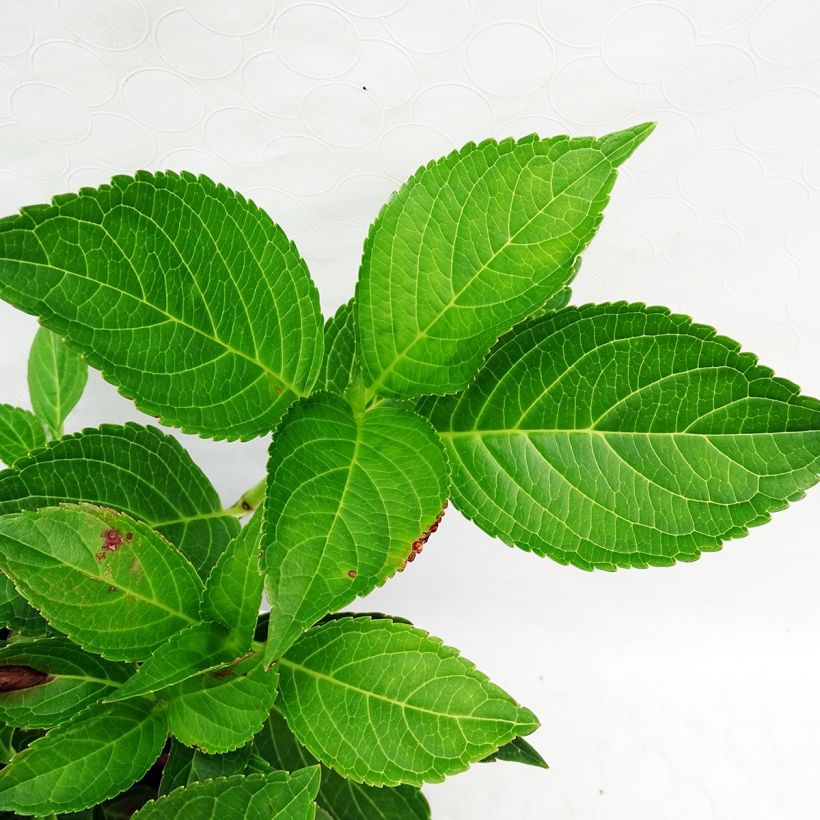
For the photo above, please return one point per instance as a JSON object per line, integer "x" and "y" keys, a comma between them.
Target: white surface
{"x": 668, "y": 693}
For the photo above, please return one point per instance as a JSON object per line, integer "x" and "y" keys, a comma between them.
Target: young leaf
{"x": 222, "y": 710}
{"x": 109, "y": 582}
{"x": 347, "y": 496}
{"x": 233, "y": 593}
{"x": 623, "y": 436}
{"x": 15, "y": 611}
{"x": 20, "y": 433}
{"x": 472, "y": 244}
{"x": 186, "y": 766}
{"x": 274, "y": 796}
{"x": 56, "y": 379}
{"x": 54, "y": 680}
{"x": 340, "y": 350}
{"x": 138, "y": 470}
{"x": 184, "y": 294}
{"x": 518, "y": 751}
{"x": 422, "y": 711}
{"x": 197, "y": 649}
{"x": 80, "y": 763}
{"x": 342, "y": 799}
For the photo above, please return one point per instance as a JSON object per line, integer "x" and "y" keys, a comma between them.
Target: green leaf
{"x": 110, "y": 583}
{"x": 233, "y": 593}
{"x": 346, "y": 498}
{"x": 340, "y": 350}
{"x": 57, "y": 678}
{"x": 277, "y": 796}
{"x": 82, "y": 762}
{"x": 20, "y": 432}
{"x": 186, "y": 766}
{"x": 342, "y": 799}
{"x": 196, "y": 649}
{"x": 623, "y": 436}
{"x": 472, "y": 244}
{"x": 15, "y": 611}
{"x": 184, "y": 294}
{"x": 421, "y": 711}
{"x": 56, "y": 379}
{"x": 518, "y": 751}
{"x": 138, "y": 470}
{"x": 222, "y": 710}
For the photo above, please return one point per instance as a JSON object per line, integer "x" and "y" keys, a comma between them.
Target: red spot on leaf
{"x": 418, "y": 545}
{"x": 14, "y": 678}
{"x": 352, "y": 573}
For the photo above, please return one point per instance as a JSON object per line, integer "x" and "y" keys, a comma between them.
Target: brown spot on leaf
{"x": 14, "y": 678}
{"x": 220, "y": 674}
{"x": 418, "y": 545}
{"x": 352, "y": 573}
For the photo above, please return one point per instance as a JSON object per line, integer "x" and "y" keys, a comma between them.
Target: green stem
{"x": 248, "y": 501}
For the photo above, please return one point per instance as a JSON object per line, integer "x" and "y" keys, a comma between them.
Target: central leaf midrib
{"x": 368, "y": 694}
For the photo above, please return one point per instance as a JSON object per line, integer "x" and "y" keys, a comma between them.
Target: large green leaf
{"x": 109, "y": 582}
{"x": 472, "y": 244}
{"x": 199, "y": 648}
{"x": 184, "y": 294}
{"x": 56, "y": 379}
{"x": 222, "y": 710}
{"x": 139, "y": 470}
{"x": 620, "y": 435}
{"x": 82, "y": 762}
{"x": 273, "y": 796}
{"x": 60, "y": 679}
{"x": 233, "y": 593}
{"x": 20, "y": 433}
{"x": 347, "y": 496}
{"x": 340, "y": 349}
{"x": 342, "y": 799}
{"x": 384, "y": 703}
{"x": 186, "y": 766}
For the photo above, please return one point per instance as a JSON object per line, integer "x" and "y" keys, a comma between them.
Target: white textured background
{"x": 668, "y": 693}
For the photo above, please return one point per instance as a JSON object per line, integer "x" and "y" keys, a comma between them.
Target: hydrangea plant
{"x": 136, "y": 673}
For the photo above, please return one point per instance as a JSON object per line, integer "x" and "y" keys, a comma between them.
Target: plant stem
{"x": 248, "y": 501}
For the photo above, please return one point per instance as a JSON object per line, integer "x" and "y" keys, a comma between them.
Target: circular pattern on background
{"x": 780, "y": 119}
{"x": 342, "y": 114}
{"x": 283, "y": 209}
{"x": 118, "y": 142}
{"x": 584, "y": 29}
{"x": 115, "y": 26}
{"x": 811, "y": 169}
{"x": 428, "y": 27}
{"x": 17, "y": 192}
{"x": 49, "y": 113}
{"x": 301, "y": 165}
{"x": 753, "y": 277}
{"x": 719, "y": 15}
{"x": 524, "y": 126}
{"x": 633, "y": 53}
{"x": 769, "y": 202}
{"x": 386, "y": 71}
{"x": 162, "y": 99}
{"x": 271, "y": 85}
{"x": 360, "y": 196}
{"x": 404, "y": 148}
{"x": 8, "y": 82}
{"x": 655, "y": 217}
{"x": 240, "y": 135}
{"x": 703, "y": 246}
{"x": 30, "y": 156}
{"x": 369, "y": 8}
{"x": 233, "y": 17}
{"x": 585, "y": 91}
{"x": 195, "y": 50}
{"x": 76, "y": 70}
{"x": 510, "y": 59}
{"x": 781, "y": 32}
{"x": 456, "y": 110}
{"x": 315, "y": 40}
{"x": 713, "y": 176}
{"x": 16, "y": 33}
{"x": 721, "y": 75}
{"x": 803, "y": 238}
